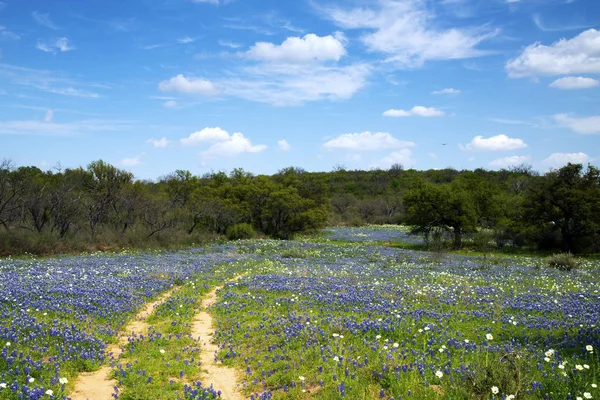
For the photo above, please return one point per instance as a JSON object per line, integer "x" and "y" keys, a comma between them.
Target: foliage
{"x": 563, "y": 261}
{"x": 564, "y": 204}
{"x": 101, "y": 206}
{"x": 240, "y": 231}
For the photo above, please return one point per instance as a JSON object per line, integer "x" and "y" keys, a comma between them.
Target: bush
{"x": 240, "y": 231}
{"x": 563, "y": 261}
{"x": 292, "y": 253}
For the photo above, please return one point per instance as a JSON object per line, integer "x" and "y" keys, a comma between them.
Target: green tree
{"x": 447, "y": 207}
{"x": 567, "y": 202}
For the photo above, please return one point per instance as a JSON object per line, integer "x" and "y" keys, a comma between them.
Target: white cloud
{"x": 408, "y": 33}
{"x": 415, "y": 111}
{"x": 60, "y": 44}
{"x": 232, "y": 45}
{"x": 293, "y": 50}
{"x": 558, "y": 160}
{"x": 158, "y": 143}
{"x": 578, "y": 55}
{"x": 131, "y": 162}
{"x": 186, "y": 40}
{"x": 170, "y": 104}
{"x": 185, "y": 85}
{"x": 42, "y": 128}
{"x": 69, "y": 91}
{"x": 206, "y": 135}
{"x": 47, "y": 81}
{"x": 586, "y": 126}
{"x": 510, "y": 121}
{"x": 537, "y": 19}
{"x": 446, "y": 91}
{"x": 574, "y": 82}
{"x": 8, "y": 35}
{"x": 49, "y": 116}
{"x": 403, "y": 156}
{"x": 235, "y": 145}
{"x": 284, "y": 145}
{"x": 366, "y": 141}
{"x": 224, "y": 144}
{"x": 285, "y": 85}
{"x": 44, "y": 20}
{"x": 509, "y": 161}
{"x": 495, "y": 143}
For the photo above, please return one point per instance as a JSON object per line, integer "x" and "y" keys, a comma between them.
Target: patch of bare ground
{"x": 220, "y": 377}
{"x": 97, "y": 385}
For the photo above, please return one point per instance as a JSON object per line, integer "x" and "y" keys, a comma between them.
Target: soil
{"x": 97, "y": 385}
{"x": 220, "y": 377}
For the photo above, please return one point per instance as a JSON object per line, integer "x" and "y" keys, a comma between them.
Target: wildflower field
{"x": 304, "y": 319}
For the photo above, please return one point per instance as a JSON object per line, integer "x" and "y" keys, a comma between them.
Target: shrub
{"x": 240, "y": 231}
{"x": 292, "y": 253}
{"x": 563, "y": 261}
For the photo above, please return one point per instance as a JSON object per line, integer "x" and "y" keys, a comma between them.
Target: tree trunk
{"x": 457, "y": 239}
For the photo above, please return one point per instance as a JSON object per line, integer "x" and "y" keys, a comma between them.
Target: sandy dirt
{"x": 97, "y": 385}
{"x": 220, "y": 377}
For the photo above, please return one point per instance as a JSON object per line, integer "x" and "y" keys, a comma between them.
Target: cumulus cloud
{"x": 158, "y": 143}
{"x": 131, "y": 162}
{"x": 366, "y": 141}
{"x": 578, "y": 55}
{"x": 402, "y": 156}
{"x": 494, "y": 143}
{"x": 284, "y": 145}
{"x": 60, "y": 44}
{"x": 509, "y": 161}
{"x": 446, "y": 91}
{"x": 419, "y": 111}
{"x": 223, "y": 143}
{"x": 278, "y": 74}
{"x": 305, "y": 49}
{"x": 206, "y": 135}
{"x": 558, "y": 160}
{"x": 408, "y": 33}
{"x": 236, "y": 144}
{"x": 181, "y": 84}
{"x": 585, "y": 126}
{"x": 574, "y": 82}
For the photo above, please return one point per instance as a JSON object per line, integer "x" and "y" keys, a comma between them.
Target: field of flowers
{"x": 306, "y": 320}
{"x": 374, "y": 233}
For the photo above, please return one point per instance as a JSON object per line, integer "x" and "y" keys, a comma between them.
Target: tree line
{"x": 102, "y": 206}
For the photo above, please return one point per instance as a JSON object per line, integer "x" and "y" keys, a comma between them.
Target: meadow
{"x": 305, "y": 319}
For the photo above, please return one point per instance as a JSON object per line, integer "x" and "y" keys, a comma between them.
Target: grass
{"x": 326, "y": 320}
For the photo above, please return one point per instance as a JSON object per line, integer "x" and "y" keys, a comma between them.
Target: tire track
{"x": 220, "y": 377}
{"x": 97, "y": 385}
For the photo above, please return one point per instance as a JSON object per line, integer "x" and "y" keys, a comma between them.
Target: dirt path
{"x": 220, "y": 377}
{"x": 97, "y": 385}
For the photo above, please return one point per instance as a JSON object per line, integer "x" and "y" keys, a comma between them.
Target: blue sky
{"x": 157, "y": 85}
